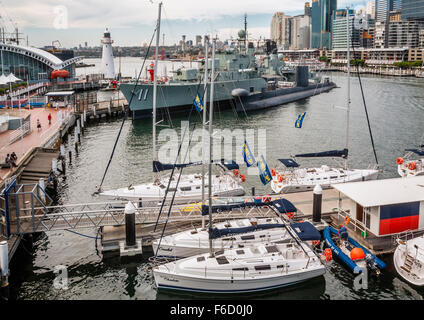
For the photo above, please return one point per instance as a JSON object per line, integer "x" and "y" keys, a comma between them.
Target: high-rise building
{"x": 281, "y": 29}
{"x": 380, "y": 34}
{"x": 300, "y": 32}
{"x": 322, "y": 11}
{"x": 413, "y": 9}
{"x": 339, "y": 30}
{"x": 404, "y": 33}
{"x": 198, "y": 41}
{"x": 396, "y": 5}
{"x": 370, "y": 9}
{"x": 382, "y": 9}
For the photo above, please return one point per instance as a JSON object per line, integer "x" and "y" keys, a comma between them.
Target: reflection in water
{"x": 396, "y": 114}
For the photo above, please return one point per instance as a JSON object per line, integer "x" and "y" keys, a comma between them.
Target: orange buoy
{"x": 280, "y": 178}
{"x": 357, "y": 254}
{"x": 290, "y": 215}
{"x": 328, "y": 254}
{"x": 59, "y": 74}
{"x": 315, "y": 243}
{"x": 236, "y": 172}
{"x": 346, "y": 220}
{"x": 273, "y": 172}
{"x": 243, "y": 178}
{"x": 412, "y": 165}
{"x": 399, "y": 161}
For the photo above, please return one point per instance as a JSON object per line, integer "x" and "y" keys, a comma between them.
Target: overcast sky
{"x": 131, "y": 22}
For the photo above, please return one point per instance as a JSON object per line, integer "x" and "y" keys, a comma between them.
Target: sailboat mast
{"x": 210, "y": 145}
{"x": 204, "y": 125}
{"x": 348, "y": 83}
{"x": 155, "y": 84}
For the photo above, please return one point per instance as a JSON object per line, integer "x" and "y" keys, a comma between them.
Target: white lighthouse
{"x": 108, "y": 66}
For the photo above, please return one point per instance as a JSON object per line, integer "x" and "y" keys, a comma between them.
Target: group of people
{"x": 11, "y": 160}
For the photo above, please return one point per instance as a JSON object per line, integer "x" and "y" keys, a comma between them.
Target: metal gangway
{"x": 26, "y": 210}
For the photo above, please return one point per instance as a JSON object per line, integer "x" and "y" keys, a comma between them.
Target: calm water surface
{"x": 396, "y": 112}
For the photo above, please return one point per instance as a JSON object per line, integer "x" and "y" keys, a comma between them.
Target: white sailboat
{"x": 225, "y": 181}
{"x": 409, "y": 167}
{"x": 295, "y": 179}
{"x": 261, "y": 266}
{"x": 408, "y": 259}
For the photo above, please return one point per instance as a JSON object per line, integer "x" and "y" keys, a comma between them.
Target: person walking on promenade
{"x": 38, "y": 125}
{"x": 50, "y": 118}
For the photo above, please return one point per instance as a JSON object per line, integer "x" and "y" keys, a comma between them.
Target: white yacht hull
{"x": 301, "y": 184}
{"x": 189, "y": 190}
{"x": 415, "y": 274}
{"x": 185, "y": 244}
{"x": 199, "y": 284}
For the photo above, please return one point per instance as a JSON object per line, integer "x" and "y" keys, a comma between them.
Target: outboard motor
{"x": 371, "y": 264}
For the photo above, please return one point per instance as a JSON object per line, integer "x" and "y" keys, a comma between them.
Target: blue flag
{"x": 264, "y": 172}
{"x": 198, "y": 103}
{"x": 299, "y": 120}
{"x": 248, "y": 155}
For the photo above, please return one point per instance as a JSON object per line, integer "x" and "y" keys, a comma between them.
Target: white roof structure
{"x": 3, "y": 80}
{"x": 384, "y": 192}
{"x": 40, "y": 55}
{"x": 12, "y": 78}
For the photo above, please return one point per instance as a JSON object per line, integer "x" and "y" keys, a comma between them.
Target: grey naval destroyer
{"x": 239, "y": 74}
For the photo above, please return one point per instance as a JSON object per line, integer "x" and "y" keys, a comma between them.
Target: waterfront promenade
{"x": 35, "y": 138}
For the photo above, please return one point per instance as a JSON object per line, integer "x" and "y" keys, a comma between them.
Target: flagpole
{"x": 205, "y": 99}
{"x": 210, "y": 146}
{"x": 348, "y": 84}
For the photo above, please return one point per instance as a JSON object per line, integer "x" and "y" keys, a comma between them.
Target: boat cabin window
{"x": 172, "y": 189}
{"x": 252, "y": 89}
{"x": 333, "y": 177}
{"x": 194, "y": 232}
{"x": 280, "y": 266}
{"x": 219, "y": 252}
{"x": 229, "y": 239}
{"x": 240, "y": 251}
{"x": 240, "y": 269}
{"x": 185, "y": 188}
{"x": 263, "y": 267}
{"x": 262, "y": 236}
{"x": 162, "y": 186}
{"x": 222, "y": 260}
{"x": 197, "y": 187}
{"x": 272, "y": 249}
{"x": 200, "y": 259}
{"x": 247, "y": 237}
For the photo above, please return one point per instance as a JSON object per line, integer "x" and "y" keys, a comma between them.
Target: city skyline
{"x": 131, "y": 24}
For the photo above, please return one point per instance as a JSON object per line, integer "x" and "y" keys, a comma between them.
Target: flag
{"x": 198, "y": 103}
{"x": 248, "y": 155}
{"x": 264, "y": 172}
{"x": 299, "y": 120}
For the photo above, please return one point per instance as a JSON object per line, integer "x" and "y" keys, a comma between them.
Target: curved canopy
{"x": 11, "y": 78}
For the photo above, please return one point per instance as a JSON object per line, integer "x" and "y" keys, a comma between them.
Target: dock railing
{"x": 355, "y": 224}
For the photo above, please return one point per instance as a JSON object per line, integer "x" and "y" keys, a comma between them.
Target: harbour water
{"x": 397, "y": 117}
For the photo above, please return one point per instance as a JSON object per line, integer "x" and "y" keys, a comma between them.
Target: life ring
{"x": 399, "y": 161}
{"x": 280, "y": 178}
{"x": 346, "y": 220}
{"x": 412, "y": 166}
{"x": 236, "y": 172}
{"x": 273, "y": 172}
